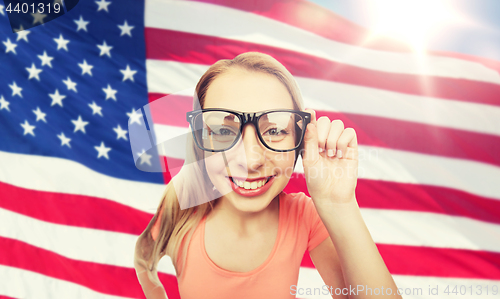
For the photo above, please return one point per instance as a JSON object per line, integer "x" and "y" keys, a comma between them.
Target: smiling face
{"x": 261, "y": 173}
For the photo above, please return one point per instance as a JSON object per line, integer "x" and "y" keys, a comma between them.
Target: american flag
{"x": 72, "y": 201}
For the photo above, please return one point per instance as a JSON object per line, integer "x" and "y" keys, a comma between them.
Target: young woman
{"x": 249, "y": 127}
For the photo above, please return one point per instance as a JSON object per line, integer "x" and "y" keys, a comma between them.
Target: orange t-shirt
{"x": 300, "y": 229}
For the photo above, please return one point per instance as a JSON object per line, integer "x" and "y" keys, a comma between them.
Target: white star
{"x": 70, "y": 84}
{"x": 61, "y": 42}
{"x": 28, "y": 129}
{"x": 110, "y": 92}
{"x": 1, "y": 10}
{"x": 134, "y": 117}
{"x": 103, "y": 5}
{"x": 102, "y": 151}
{"x": 64, "y": 140}
{"x": 120, "y": 133}
{"x": 15, "y": 89}
{"x": 95, "y": 109}
{"x": 4, "y": 104}
{"x": 125, "y": 28}
{"x": 105, "y": 49}
{"x": 22, "y": 34}
{"x": 46, "y": 60}
{"x": 10, "y": 47}
{"x": 39, "y": 114}
{"x": 145, "y": 158}
{"x": 56, "y": 98}
{"x": 79, "y": 124}
{"x": 86, "y": 68}
{"x": 128, "y": 74}
{"x": 82, "y": 24}
{"x": 38, "y": 17}
{"x": 33, "y": 72}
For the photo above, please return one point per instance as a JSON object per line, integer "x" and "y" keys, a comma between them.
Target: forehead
{"x": 247, "y": 91}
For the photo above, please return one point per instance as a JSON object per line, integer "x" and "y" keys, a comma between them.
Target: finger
{"x": 311, "y": 153}
{"x": 336, "y": 129}
{"x": 323, "y": 125}
{"x": 348, "y": 137}
{"x": 313, "y": 116}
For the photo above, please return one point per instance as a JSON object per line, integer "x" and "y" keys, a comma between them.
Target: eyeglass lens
{"x": 219, "y": 130}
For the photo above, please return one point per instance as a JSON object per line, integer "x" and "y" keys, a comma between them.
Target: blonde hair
{"x": 176, "y": 224}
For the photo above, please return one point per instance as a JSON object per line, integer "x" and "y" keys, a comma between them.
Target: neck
{"x": 244, "y": 222}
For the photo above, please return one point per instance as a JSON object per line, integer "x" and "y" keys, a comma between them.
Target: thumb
{"x": 311, "y": 153}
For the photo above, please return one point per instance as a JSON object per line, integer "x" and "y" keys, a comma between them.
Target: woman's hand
{"x": 330, "y": 161}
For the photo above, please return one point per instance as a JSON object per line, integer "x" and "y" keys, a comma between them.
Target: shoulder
{"x": 298, "y": 204}
{"x": 299, "y": 199}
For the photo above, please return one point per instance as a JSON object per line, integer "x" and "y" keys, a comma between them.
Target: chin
{"x": 252, "y": 204}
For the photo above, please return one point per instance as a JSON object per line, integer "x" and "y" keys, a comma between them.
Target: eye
{"x": 275, "y": 132}
{"x": 222, "y": 131}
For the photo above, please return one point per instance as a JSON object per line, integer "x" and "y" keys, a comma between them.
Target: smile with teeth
{"x": 250, "y": 185}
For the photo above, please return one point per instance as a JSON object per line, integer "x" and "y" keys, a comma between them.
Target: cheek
{"x": 283, "y": 163}
{"x": 214, "y": 164}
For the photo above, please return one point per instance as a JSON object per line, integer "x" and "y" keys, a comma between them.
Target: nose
{"x": 254, "y": 157}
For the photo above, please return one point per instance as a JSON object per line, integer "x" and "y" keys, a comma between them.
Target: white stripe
{"x": 347, "y": 98}
{"x": 219, "y": 21}
{"x": 178, "y": 136}
{"x": 441, "y": 283}
{"x": 18, "y": 283}
{"x": 170, "y": 77}
{"x": 379, "y": 163}
{"x": 84, "y": 244}
{"x": 417, "y": 287}
{"x": 430, "y": 229}
{"x": 419, "y": 229}
{"x": 65, "y": 176}
{"x": 412, "y": 229}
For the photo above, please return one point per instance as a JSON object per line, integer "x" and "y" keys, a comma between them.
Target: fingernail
{"x": 339, "y": 154}
{"x": 321, "y": 150}
{"x": 330, "y": 153}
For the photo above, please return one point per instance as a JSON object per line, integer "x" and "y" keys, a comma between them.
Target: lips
{"x": 251, "y": 187}
{"x": 250, "y": 184}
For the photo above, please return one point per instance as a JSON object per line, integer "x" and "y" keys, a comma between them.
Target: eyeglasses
{"x": 217, "y": 130}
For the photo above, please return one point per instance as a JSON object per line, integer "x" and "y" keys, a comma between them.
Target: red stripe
{"x": 170, "y": 109}
{"x": 421, "y": 138}
{"x": 373, "y": 131}
{"x": 441, "y": 262}
{"x": 202, "y": 49}
{"x": 107, "y": 279}
{"x": 323, "y": 22}
{"x": 112, "y": 216}
{"x": 316, "y": 19}
{"x": 74, "y": 210}
{"x": 417, "y": 198}
{"x": 437, "y": 262}
{"x": 489, "y": 63}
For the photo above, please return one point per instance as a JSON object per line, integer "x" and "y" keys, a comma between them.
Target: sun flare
{"x": 413, "y": 21}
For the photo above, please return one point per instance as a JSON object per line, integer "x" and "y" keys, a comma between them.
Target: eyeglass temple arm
{"x": 225, "y": 162}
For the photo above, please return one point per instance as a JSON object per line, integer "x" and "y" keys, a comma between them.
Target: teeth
{"x": 250, "y": 185}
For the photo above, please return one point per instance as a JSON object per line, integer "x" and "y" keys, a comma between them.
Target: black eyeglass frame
{"x": 246, "y": 118}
